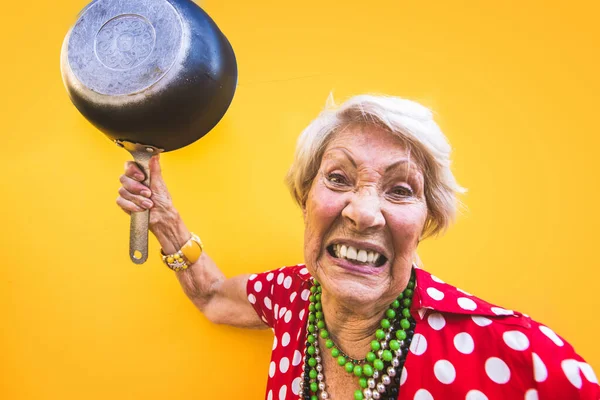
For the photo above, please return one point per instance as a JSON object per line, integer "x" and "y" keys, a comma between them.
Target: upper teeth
{"x": 352, "y": 253}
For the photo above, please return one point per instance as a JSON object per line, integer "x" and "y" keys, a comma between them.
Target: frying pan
{"x": 152, "y": 75}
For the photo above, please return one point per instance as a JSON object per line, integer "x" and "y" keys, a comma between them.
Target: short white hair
{"x": 406, "y": 119}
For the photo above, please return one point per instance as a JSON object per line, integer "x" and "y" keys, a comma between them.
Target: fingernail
{"x": 139, "y": 177}
{"x": 147, "y": 204}
{"x": 146, "y": 193}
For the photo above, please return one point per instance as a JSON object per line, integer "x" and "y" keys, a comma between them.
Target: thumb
{"x": 156, "y": 178}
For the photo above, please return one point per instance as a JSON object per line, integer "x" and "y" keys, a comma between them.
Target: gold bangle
{"x": 189, "y": 253}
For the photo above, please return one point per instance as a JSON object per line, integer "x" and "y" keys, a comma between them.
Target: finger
{"x": 157, "y": 184}
{"x": 128, "y": 206}
{"x": 154, "y": 164}
{"x": 133, "y": 170}
{"x": 134, "y": 187}
{"x": 139, "y": 201}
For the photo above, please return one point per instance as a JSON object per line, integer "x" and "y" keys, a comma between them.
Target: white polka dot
{"x": 299, "y": 333}
{"x": 444, "y": 371}
{"x": 272, "y": 367}
{"x": 270, "y": 395}
{"x": 288, "y": 316}
{"x": 551, "y": 335}
{"x": 296, "y": 386}
{"x": 282, "y": 311}
{"x": 285, "y": 339}
{"x": 501, "y": 311}
{"x": 497, "y": 370}
{"x": 280, "y": 279}
{"x": 475, "y": 395}
{"x": 282, "y": 392}
{"x": 287, "y": 283}
{"x": 466, "y": 304}
{"x": 268, "y": 303}
{"x": 274, "y": 342}
{"x": 252, "y": 298}
{"x": 464, "y": 343}
{"x": 423, "y": 394}
{"x": 301, "y": 314}
{"x": 531, "y": 394}
{"x": 297, "y": 358}
{"x": 293, "y": 296}
{"x": 436, "y": 279}
{"x": 264, "y": 319}
{"x": 252, "y": 277}
{"x": 422, "y": 312}
{"x": 463, "y": 292}
{"x": 481, "y": 321}
{"x": 304, "y": 271}
{"x": 516, "y": 340}
{"x": 305, "y": 294}
{"x": 284, "y": 364}
{"x": 276, "y": 311}
{"x": 571, "y": 369}
{"x": 403, "y": 376}
{"x": 540, "y": 372}
{"x": 270, "y": 276}
{"x": 436, "y": 321}
{"x": 418, "y": 344}
{"x": 435, "y": 294}
{"x": 588, "y": 372}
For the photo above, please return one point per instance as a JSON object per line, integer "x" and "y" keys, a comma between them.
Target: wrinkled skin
{"x": 369, "y": 193}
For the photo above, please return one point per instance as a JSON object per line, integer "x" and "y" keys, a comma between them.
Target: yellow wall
{"x": 514, "y": 84}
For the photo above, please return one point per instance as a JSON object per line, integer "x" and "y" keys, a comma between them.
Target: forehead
{"x": 369, "y": 144}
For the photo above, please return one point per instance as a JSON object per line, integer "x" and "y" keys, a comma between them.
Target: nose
{"x": 364, "y": 210}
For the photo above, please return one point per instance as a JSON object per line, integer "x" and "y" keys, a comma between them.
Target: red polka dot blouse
{"x": 463, "y": 347}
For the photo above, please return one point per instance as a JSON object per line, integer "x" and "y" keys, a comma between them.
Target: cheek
{"x": 323, "y": 206}
{"x": 407, "y": 224}
{"x": 322, "y": 209}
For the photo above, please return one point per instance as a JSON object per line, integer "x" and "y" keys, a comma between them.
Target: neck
{"x": 352, "y": 330}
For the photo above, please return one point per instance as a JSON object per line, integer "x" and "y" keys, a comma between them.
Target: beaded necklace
{"x": 379, "y": 372}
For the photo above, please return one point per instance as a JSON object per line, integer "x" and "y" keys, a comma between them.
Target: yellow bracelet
{"x": 189, "y": 253}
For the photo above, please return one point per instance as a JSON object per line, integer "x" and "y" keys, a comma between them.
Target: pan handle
{"x": 138, "y": 227}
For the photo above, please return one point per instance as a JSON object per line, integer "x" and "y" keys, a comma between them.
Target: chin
{"x": 352, "y": 285}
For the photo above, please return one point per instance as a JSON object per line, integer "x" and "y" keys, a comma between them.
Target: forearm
{"x": 202, "y": 279}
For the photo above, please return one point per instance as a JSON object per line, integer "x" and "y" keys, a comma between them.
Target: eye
{"x": 337, "y": 179}
{"x": 402, "y": 191}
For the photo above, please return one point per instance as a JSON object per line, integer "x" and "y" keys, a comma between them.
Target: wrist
{"x": 171, "y": 232}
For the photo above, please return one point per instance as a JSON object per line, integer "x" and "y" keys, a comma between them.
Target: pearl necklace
{"x": 387, "y": 354}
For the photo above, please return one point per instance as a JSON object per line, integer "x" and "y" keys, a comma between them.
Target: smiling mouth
{"x": 356, "y": 255}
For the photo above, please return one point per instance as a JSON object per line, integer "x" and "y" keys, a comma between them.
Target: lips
{"x": 356, "y": 255}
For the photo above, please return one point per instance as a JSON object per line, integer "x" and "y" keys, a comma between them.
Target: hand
{"x": 134, "y": 196}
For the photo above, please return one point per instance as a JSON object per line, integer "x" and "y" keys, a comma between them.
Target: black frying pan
{"x": 152, "y": 75}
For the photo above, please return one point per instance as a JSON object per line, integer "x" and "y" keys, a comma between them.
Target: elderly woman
{"x": 361, "y": 320}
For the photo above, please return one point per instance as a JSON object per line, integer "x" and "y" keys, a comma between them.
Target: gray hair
{"x": 408, "y": 120}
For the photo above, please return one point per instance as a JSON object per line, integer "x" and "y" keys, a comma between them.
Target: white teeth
{"x": 352, "y": 253}
{"x": 362, "y": 256}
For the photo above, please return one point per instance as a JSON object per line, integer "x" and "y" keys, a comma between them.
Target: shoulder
{"x": 505, "y": 345}
{"x": 273, "y": 293}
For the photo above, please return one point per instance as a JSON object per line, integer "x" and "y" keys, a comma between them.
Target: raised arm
{"x": 222, "y": 300}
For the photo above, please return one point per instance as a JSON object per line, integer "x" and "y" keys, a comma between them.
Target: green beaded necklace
{"x": 383, "y": 350}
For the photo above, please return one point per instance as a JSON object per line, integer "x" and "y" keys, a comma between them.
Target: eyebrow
{"x": 387, "y": 169}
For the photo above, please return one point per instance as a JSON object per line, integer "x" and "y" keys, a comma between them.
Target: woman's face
{"x": 363, "y": 217}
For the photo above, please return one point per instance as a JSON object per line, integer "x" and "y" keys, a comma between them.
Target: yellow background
{"x": 514, "y": 85}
